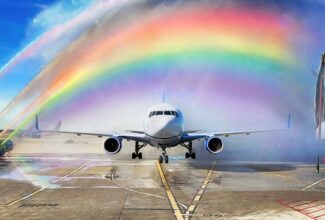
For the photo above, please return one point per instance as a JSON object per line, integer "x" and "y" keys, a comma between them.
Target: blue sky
{"x": 23, "y": 22}
{"x": 15, "y": 17}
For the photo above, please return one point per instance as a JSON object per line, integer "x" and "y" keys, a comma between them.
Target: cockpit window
{"x": 167, "y": 113}
{"x": 163, "y": 113}
{"x": 171, "y": 113}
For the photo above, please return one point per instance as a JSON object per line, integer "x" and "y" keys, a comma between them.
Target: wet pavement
{"x": 54, "y": 185}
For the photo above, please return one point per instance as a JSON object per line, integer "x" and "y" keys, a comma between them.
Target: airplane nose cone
{"x": 168, "y": 128}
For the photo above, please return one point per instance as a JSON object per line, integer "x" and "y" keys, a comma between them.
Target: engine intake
{"x": 112, "y": 145}
{"x": 214, "y": 145}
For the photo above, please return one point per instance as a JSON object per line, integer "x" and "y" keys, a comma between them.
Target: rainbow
{"x": 229, "y": 41}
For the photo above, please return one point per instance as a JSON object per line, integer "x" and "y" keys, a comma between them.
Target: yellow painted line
{"x": 46, "y": 186}
{"x": 177, "y": 212}
{"x": 199, "y": 195}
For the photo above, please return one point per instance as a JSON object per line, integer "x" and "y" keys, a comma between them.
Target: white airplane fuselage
{"x": 164, "y": 125}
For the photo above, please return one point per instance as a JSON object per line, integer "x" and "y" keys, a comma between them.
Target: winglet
{"x": 36, "y": 122}
{"x": 289, "y": 120}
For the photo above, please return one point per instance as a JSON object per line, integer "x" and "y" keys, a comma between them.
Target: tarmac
{"x": 69, "y": 177}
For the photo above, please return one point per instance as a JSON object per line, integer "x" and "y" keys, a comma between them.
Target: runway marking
{"x": 199, "y": 194}
{"x": 123, "y": 162}
{"x": 49, "y": 184}
{"x": 143, "y": 193}
{"x": 310, "y": 210}
{"x": 177, "y": 212}
{"x": 126, "y": 195}
{"x": 313, "y": 184}
{"x": 317, "y": 210}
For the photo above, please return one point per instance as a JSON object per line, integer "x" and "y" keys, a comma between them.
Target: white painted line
{"x": 313, "y": 184}
{"x": 49, "y": 184}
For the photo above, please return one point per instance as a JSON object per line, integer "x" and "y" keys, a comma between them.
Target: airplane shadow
{"x": 4, "y": 162}
{"x": 243, "y": 167}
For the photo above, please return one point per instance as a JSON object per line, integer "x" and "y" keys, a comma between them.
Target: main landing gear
{"x": 163, "y": 157}
{"x": 189, "y": 154}
{"x": 137, "y": 154}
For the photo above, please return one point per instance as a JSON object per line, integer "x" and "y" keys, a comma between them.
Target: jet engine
{"x": 112, "y": 145}
{"x": 9, "y": 146}
{"x": 214, "y": 145}
{"x": 5, "y": 147}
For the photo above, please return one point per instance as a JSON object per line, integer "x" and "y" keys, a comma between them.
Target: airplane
{"x": 8, "y": 145}
{"x": 164, "y": 128}
{"x": 35, "y": 132}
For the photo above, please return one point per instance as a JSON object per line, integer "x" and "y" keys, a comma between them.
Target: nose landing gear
{"x": 163, "y": 157}
{"x": 189, "y": 154}
{"x": 137, "y": 154}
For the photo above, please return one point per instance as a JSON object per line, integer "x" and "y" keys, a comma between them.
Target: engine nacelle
{"x": 112, "y": 145}
{"x": 214, "y": 145}
{"x": 5, "y": 147}
{"x": 9, "y": 146}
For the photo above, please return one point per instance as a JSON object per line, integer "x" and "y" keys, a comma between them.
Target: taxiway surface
{"x": 46, "y": 179}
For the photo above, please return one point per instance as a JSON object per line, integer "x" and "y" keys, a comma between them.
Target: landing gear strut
{"x": 163, "y": 157}
{"x": 189, "y": 154}
{"x": 137, "y": 154}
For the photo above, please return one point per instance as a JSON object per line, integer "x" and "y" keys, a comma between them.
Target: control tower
{"x": 320, "y": 107}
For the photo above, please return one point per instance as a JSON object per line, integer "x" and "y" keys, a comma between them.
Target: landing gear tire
{"x": 189, "y": 147}
{"x": 190, "y": 155}
{"x": 138, "y": 147}
{"x": 166, "y": 159}
{"x": 161, "y": 159}
{"x": 136, "y": 155}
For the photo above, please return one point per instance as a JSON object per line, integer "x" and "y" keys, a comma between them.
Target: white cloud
{"x": 58, "y": 13}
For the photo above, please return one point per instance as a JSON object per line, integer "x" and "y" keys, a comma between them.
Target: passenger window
{"x": 159, "y": 113}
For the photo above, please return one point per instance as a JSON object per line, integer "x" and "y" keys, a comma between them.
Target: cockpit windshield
{"x": 167, "y": 113}
{"x": 172, "y": 113}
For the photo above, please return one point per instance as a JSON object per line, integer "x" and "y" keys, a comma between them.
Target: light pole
{"x": 321, "y": 96}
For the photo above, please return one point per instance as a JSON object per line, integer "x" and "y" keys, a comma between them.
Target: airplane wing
{"x": 128, "y": 137}
{"x": 190, "y": 136}
{"x": 194, "y": 136}
{"x": 192, "y": 131}
{"x": 137, "y": 132}
{"x": 133, "y": 135}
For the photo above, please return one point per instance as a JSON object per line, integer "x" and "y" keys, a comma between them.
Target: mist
{"x": 105, "y": 71}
